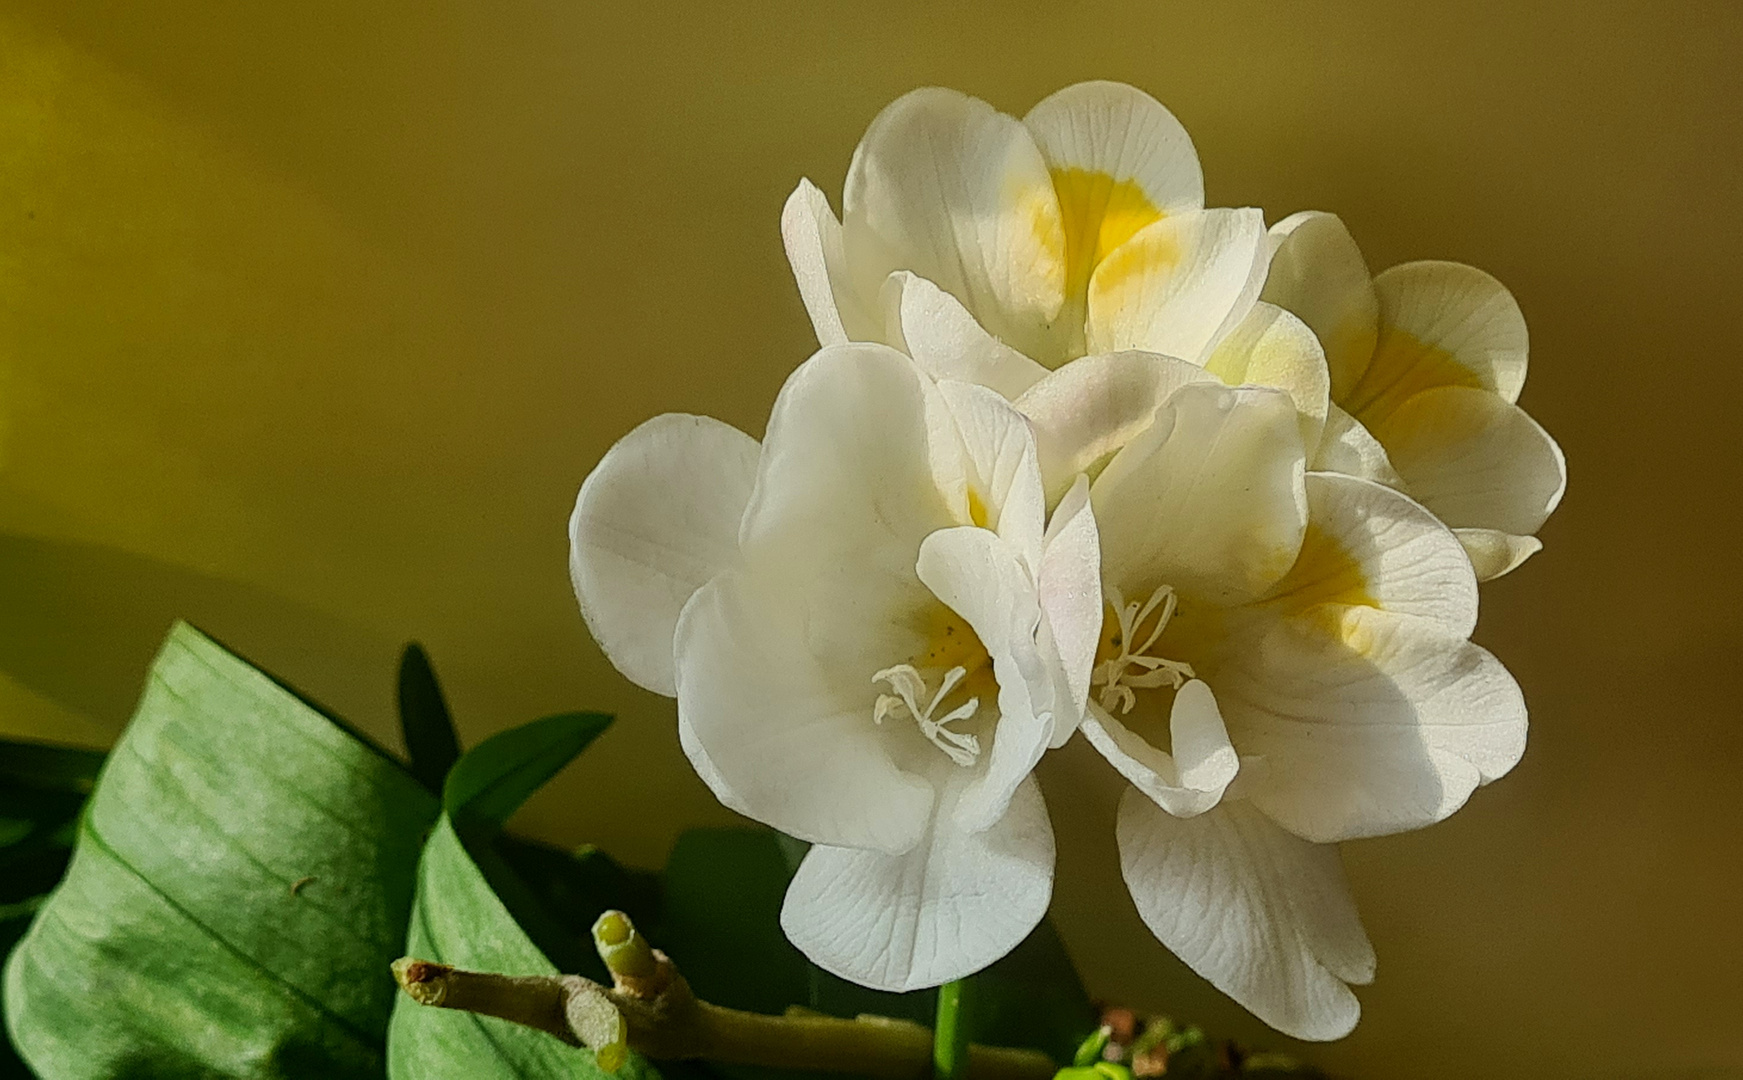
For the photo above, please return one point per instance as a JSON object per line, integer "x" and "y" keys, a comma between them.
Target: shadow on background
{"x": 83, "y": 623}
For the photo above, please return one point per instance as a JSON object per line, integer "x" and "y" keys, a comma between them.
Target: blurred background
{"x": 314, "y": 316}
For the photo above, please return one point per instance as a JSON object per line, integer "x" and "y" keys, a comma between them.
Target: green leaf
{"x": 459, "y": 917}
{"x": 430, "y": 740}
{"x": 242, "y": 877}
{"x": 575, "y": 887}
{"x": 42, "y": 790}
{"x": 1033, "y": 997}
{"x": 48, "y": 767}
{"x": 720, "y": 920}
{"x": 496, "y": 776}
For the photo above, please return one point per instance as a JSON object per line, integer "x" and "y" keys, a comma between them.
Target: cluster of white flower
{"x": 1080, "y": 455}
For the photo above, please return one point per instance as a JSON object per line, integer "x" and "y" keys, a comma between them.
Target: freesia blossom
{"x": 1426, "y": 363}
{"x": 992, "y": 250}
{"x": 873, "y": 633}
{"x": 1284, "y": 665}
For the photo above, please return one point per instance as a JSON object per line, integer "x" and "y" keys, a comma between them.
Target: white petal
{"x": 1120, "y": 162}
{"x": 1317, "y": 272}
{"x": 1368, "y": 544}
{"x": 1124, "y": 133}
{"x": 1494, "y": 553}
{"x": 1441, "y": 324}
{"x": 1188, "y": 778}
{"x": 655, "y": 520}
{"x": 953, "y": 905}
{"x": 1071, "y": 603}
{"x": 1267, "y": 918}
{"x": 782, "y": 731}
{"x": 1475, "y": 460}
{"x": 992, "y": 462}
{"x": 775, "y": 660}
{"x": 1345, "y": 446}
{"x": 956, "y": 192}
{"x": 812, "y": 238}
{"x": 1271, "y": 347}
{"x": 1371, "y": 722}
{"x": 982, "y": 578}
{"x": 1087, "y": 410}
{"x": 847, "y": 456}
{"x": 1176, "y": 287}
{"x": 943, "y": 338}
{"x": 1209, "y": 500}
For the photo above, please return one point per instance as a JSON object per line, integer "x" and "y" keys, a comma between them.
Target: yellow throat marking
{"x": 1099, "y": 213}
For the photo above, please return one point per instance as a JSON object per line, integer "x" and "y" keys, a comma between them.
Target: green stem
{"x": 950, "y": 1034}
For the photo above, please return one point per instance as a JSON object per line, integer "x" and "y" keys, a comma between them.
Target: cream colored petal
{"x": 981, "y": 446}
{"x": 812, "y": 237}
{"x": 1266, "y": 917}
{"x": 1209, "y": 500}
{"x": 1119, "y": 162}
{"x": 1176, "y": 287}
{"x": 1475, "y": 460}
{"x": 1317, "y": 272}
{"x": 1088, "y": 409}
{"x": 654, "y": 521}
{"x": 846, "y": 457}
{"x": 775, "y": 660}
{"x": 1367, "y": 544}
{"x": 1271, "y": 347}
{"x": 1494, "y": 553}
{"x": 935, "y": 329}
{"x": 1123, "y": 133}
{"x": 1370, "y": 722}
{"x": 781, "y": 730}
{"x": 1071, "y": 602}
{"x": 958, "y": 193}
{"x": 1441, "y": 324}
{"x": 1191, "y": 775}
{"x": 1355, "y": 680}
{"x": 1345, "y": 446}
{"x": 953, "y": 905}
{"x": 982, "y": 578}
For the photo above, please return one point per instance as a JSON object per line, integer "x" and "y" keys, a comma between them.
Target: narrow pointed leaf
{"x": 495, "y": 777}
{"x": 430, "y": 740}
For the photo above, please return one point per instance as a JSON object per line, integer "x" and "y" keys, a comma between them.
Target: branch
{"x": 650, "y": 1009}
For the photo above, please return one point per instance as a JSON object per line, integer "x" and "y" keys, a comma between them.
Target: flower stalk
{"x": 950, "y": 1035}
{"x": 650, "y": 1009}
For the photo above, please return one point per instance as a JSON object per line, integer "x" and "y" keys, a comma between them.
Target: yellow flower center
{"x": 941, "y": 687}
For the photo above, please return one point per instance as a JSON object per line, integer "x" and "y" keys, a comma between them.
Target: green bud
{"x": 1089, "y": 1051}
{"x": 624, "y": 950}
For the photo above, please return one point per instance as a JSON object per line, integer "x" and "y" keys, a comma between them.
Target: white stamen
{"x": 1114, "y": 676}
{"x": 910, "y": 689}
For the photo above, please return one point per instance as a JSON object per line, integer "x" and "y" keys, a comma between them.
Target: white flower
{"x": 992, "y": 250}
{"x": 872, "y": 638}
{"x": 1426, "y": 362}
{"x": 1284, "y": 664}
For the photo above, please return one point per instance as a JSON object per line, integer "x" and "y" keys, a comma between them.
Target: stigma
{"x": 1133, "y": 667}
{"x": 909, "y": 691}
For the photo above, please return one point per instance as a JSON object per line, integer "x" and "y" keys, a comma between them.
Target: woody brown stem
{"x": 651, "y": 1009}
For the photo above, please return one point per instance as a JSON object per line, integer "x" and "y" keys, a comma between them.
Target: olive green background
{"x": 313, "y": 317}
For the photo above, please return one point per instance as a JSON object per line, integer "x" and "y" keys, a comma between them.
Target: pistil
{"x": 1134, "y": 667}
{"x": 910, "y": 691}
